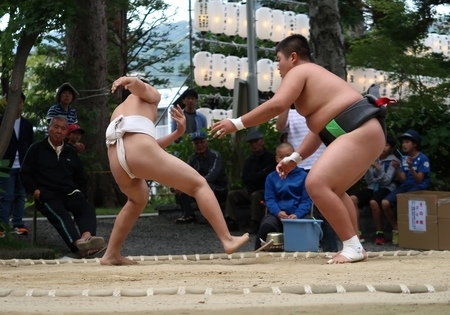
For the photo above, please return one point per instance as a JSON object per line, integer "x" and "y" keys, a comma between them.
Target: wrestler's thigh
{"x": 347, "y": 158}
{"x": 166, "y": 169}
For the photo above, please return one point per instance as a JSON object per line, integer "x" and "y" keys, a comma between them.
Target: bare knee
{"x": 197, "y": 184}
{"x": 354, "y": 199}
{"x": 314, "y": 187}
{"x": 373, "y": 204}
{"x": 386, "y": 205}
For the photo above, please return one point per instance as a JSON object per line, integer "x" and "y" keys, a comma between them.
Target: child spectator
{"x": 379, "y": 179}
{"x": 285, "y": 198}
{"x": 413, "y": 173}
{"x": 74, "y": 133}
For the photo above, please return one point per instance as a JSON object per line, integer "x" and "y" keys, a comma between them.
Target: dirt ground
{"x": 171, "y": 286}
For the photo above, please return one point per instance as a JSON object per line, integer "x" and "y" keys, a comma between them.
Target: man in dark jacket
{"x": 209, "y": 164}
{"x": 53, "y": 173}
{"x": 12, "y": 193}
{"x": 256, "y": 168}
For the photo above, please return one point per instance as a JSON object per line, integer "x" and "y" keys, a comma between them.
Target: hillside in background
{"x": 179, "y": 35}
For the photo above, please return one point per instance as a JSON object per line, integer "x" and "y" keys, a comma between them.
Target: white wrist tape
{"x": 237, "y": 122}
{"x": 293, "y": 157}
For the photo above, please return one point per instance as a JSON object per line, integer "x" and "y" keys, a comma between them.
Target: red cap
{"x": 75, "y": 127}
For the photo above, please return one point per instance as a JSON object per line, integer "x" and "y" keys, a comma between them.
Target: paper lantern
{"x": 264, "y": 74}
{"x": 435, "y": 43}
{"x": 233, "y": 69}
{"x": 244, "y": 69}
{"x": 216, "y": 12}
{"x": 203, "y": 68}
{"x": 276, "y": 78}
{"x": 445, "y": 45}
{"x": 428, "y": 42}
{"x": 359, "y": 80}
{"x": 263, "y": 23}
{"x": 302, "y": 24}
{"x": 201, "y": 18}
{"x": 371, "y": 78}
{"x": 231, "y": 19}
{"x": 290, "y": 26}
{"x": 218, "y": 69}
{"x": 277, "y": 26}
{"x": 242, "y": 21}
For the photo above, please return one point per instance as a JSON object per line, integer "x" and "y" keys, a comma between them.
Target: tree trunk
{"x": 326, "y": 36}
{"x": 26, "y": 42}
{"x": 86, "y": 52}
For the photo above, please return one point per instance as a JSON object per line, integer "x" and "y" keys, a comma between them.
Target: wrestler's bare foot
{"x": 117, "y": 261}
{"x": 353, "y": 257}
{"x": 236, "y": 242}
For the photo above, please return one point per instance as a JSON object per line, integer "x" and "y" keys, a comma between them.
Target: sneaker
{"x": 21, "y": 230}
{"x": 395, "y": 237}
{"x": 380, "y": 240}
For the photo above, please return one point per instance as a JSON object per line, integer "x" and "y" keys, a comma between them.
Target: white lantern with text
{"x": 233, "y": 69}
{"x": 371, "y": 78}
{"x": 264, "y": 74}
{"x": 359, "y": 80}
{"x": 290, "y": 26}
{"x": 302, "y": 24}
{"x": 244, "y": 68}
{"x": 216, "y": 12}
{"x": 263, "y": 23}
{"x": 218, "y": 69}
{"x": 242, "y": 21}
{"x": 203, "y": 68}
{"x": 445, "y": 45}
{"x": 278, "y": 30}
{"x": 201, "y": 18}
{"x": 436, "y": 43}
{"x": 276, "y": 77}
{"x": 231, "y": 19}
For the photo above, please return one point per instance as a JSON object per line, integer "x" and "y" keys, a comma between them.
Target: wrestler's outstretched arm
{"x": 290, "y": 89}
{"x": 139, "y": 88}
{"x": 178, "y": 116}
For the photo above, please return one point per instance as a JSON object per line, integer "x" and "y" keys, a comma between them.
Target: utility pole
{"x": 191, "y": 56}
{"x": 252, "y": 80}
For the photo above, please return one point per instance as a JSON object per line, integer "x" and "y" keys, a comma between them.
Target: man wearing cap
{"x": 195, "y": 121}
{"x": 65, "y": 96}
{"x": 209, "y": 164}
{"x": 74, "y": 133}
{"x": 413, "y": 172}
{"x": 256, "y": 168}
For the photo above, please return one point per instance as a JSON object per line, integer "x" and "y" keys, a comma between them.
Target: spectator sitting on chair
{"x": 53, "y": 173}
{"x": 256, "y": 168}
{"x": 12, "y": 193}
{"x": 380, "y": 182}
{"x": 74, "y": 133}
{"x": 413, "y": 172}
{"x": 195, "y": 121}
{"x": 285, "y": 198}
{"x": 209, "y": 164}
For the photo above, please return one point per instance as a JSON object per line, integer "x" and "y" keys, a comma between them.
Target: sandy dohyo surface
{"x": 262, "y": 285}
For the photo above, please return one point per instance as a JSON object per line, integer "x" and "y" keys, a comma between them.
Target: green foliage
{"x": 233, "y": 149}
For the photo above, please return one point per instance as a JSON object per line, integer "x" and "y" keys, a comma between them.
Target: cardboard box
{"x": 424, "y": 220}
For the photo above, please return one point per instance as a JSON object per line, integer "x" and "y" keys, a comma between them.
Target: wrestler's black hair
{"x": 126, "y": 93}
{"x": 295, "y": 43}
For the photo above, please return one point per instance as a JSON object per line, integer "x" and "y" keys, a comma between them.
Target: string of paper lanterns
{"x": 231, "y": 19}
{"x": 220, "y": 71}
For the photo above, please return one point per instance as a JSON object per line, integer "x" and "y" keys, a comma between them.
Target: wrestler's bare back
{"x": 134, "y": 105}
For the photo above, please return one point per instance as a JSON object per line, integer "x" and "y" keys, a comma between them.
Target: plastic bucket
{"x": 302, "y": 235}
